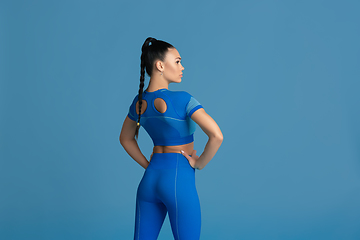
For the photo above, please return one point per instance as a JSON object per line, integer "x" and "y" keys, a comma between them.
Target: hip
{"x": 170, "y": 160}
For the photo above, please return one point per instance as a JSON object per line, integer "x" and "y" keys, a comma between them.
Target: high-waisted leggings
{"x": 168, "y": 185}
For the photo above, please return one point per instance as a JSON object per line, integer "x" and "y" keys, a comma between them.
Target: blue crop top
{"x": 174, "y": 126}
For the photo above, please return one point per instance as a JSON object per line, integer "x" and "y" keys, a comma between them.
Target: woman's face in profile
{"x": 172, "y": 66}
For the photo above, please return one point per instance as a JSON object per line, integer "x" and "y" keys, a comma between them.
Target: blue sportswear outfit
{"x": 168, "y": 184}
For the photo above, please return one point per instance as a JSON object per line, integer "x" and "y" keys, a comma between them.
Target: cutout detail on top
{"x": 160, "y": 105}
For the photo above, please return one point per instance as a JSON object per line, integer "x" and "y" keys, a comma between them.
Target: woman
{"x": 169, "y": 117}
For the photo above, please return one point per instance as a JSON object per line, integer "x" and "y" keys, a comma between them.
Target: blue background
{"x": 281, "y": 78}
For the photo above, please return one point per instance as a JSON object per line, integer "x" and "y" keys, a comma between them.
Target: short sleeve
{"x": 132, "y": 113}
{"x": 192, "y": 106}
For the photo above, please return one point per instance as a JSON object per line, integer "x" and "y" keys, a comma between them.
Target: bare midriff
{"x": 188, "y": 148}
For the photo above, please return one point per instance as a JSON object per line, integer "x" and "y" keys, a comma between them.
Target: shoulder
{"x": 179, "y": 95}
{"x": 135, "y": 98}
{"x": 134, "y": 101}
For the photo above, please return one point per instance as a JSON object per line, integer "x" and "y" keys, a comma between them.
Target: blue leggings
{"x": 168, "y": 185}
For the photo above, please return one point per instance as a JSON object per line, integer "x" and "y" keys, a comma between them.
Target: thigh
{"x": 148, "y": 220}
{"x": 184, "y": 211}
{"x": 150, "y": 212}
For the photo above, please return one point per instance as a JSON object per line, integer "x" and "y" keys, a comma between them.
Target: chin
{"x": 176, "y": 81}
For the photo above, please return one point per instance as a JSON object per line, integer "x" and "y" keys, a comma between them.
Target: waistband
{"x": 168, "y": 160}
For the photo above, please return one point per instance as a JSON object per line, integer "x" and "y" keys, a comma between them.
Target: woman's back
{"x": 166, "y": 116}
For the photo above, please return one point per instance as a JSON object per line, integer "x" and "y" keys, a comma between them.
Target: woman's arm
{"x": 128, "y": 141}
{"x": 212, "y": 130}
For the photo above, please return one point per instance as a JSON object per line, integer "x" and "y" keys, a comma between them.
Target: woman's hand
{"x": 192, "y": 159}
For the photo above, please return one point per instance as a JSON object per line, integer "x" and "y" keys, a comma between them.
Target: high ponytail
{"x": 152, "y": 50}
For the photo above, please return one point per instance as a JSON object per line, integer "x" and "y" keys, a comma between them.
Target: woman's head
{"x": 152, "y": 51}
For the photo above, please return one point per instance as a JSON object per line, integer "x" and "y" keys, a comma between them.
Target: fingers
{"x": 193, "y": 153}
{"x": 187, "y": 157}
{"x": 185, "y": 154}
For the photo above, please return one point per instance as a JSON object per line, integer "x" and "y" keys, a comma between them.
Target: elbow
{"x": 218, "y": 137}
{"x": 122, "y": 140}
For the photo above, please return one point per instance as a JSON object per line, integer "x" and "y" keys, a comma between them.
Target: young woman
{"x": 169, "y": 117}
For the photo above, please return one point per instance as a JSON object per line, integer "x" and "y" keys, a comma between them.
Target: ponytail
{"x": 152, "y": 50}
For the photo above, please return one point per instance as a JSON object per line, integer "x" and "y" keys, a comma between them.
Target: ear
{"x": 159, "y": 65}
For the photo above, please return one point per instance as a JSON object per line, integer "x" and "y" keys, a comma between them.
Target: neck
{"x": 157, "y": 83}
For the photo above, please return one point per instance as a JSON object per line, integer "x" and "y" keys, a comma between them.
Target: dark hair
{"x": 152, "y": 50}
